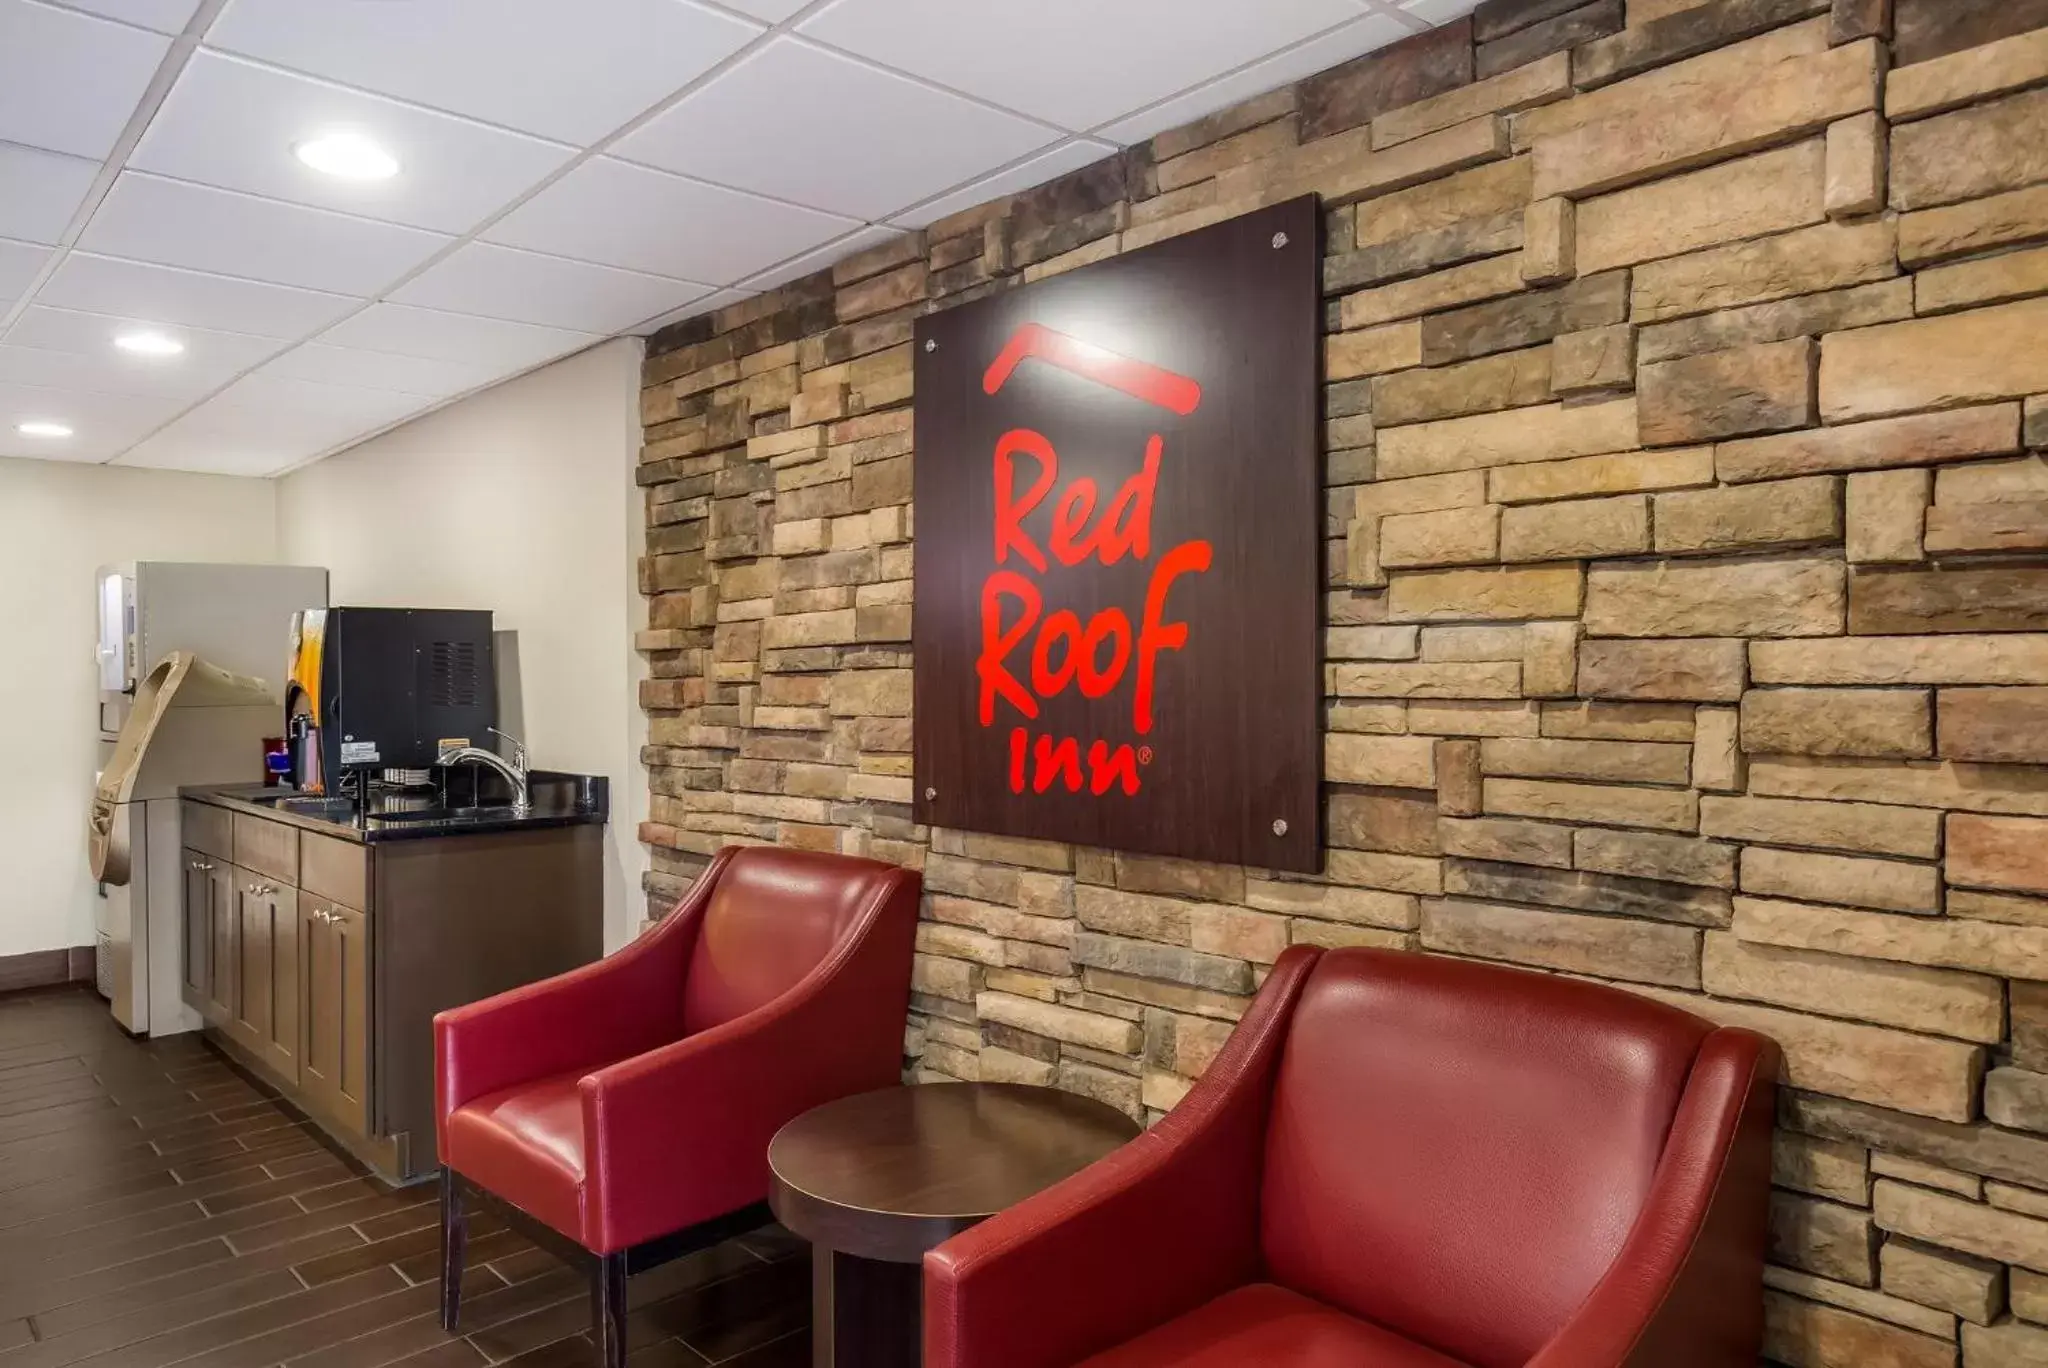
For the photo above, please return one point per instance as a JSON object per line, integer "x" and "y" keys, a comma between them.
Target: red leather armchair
{"x": 1401, "y": 1161}
{"x": 624, "y": 1110}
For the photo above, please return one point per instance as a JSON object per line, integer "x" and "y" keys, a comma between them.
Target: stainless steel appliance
{"x": 235, "y": 618}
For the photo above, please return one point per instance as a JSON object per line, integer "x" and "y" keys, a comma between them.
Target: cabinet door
{"x": 196, "y": 977}
{"x": 281, "y": 1028}
{"x": 266, "y": 1019}
{"x": 249, "y": 1018}
{"x": 224, "y": 928}
{"x": 335, "y": 1005}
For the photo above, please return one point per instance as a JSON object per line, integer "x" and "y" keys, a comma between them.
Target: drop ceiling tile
{"x": 174, "y": 223}
{"x": 165, "y": 16}
{"x": 193, "y": 451}
{"x": 1438, "y": 11}
{"x": 68, "y": 81}
{"x": 40, "y": 191}
{"x": 92, "y": 334}
{"x": 350, "y": 366}
{"x": 196, "y": 299}
{"x": 526, "y": 287}
{"x": 769, "y": 11}
{"x": 1076, "y": 63}
{"x": 13, "y": 444}
{"x": 438, "y": 336}
{"x": 111, "y": 374}
{"x": 893, "y": 140}
{"x": 1317, "y": 54}
{"x": 76, "y": 350}
{"x": 711, "y": 303}
{"x": 233, "y": 124}
{"x": 627, "y": 216}
{"x": 102, "y": 424}
{"x": 19, "y": 262}
{"x": 523, "y": 64}
{"x": 1048, "y": 165}
{"x": 315, "y": 403}
{"x": 818, "y": 259}
{"x": 223, "y": 439}
{"x": 264, "y": 424}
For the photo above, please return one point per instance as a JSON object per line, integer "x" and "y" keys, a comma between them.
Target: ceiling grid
{"x": 181, "y": 288}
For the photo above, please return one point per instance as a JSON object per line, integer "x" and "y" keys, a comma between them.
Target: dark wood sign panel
{"x": 1119, "y": 536}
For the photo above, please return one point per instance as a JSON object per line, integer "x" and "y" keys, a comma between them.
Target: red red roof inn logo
{"x": 1028, "y": 655}
{"x": 1116, "y": 558}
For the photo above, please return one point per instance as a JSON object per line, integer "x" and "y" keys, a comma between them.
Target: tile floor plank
{"x": 160, "y": 1209}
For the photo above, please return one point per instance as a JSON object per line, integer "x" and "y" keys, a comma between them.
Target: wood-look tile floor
{"x": 159, "y": 1208}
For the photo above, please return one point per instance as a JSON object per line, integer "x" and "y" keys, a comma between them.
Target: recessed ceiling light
{"x": 40, "y": 428}
{"x": 347, "y": 155}
{"x": 143, "y": 342}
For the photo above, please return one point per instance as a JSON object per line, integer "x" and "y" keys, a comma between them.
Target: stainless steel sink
{"x": 343, "y": 810}
{"x": 328, "y": 809}
{"x": 444, "y": 814}
{"x": 418, "y": 814}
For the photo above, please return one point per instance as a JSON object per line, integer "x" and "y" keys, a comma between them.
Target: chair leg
{"x": 454, "y": 1245}
{"x": 608, "y": 1309}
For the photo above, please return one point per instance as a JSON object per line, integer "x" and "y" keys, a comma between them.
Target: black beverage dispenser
{"x": 375, "y": 689}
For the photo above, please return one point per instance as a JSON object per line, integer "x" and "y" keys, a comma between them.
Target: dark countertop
{"x": 559, "y": 800}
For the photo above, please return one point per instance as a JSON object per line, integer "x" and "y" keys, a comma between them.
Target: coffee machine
{"x": 380, "y": 689}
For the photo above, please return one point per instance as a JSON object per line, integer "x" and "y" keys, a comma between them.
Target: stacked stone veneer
{"x": 1687, "y": 613}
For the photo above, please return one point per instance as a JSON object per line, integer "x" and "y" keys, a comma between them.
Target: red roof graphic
{"x": 1138, "y": 379}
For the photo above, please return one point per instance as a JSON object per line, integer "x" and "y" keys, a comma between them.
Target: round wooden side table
{"x": 876, "y": 1180}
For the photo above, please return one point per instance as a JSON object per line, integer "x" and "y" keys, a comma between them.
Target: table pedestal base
{"x": 864, "y": 1313}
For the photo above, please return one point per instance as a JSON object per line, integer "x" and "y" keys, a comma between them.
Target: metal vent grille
{"x": 452, "y": 680}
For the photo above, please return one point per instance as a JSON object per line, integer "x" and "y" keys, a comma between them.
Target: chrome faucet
{"x": 514, "y": 770}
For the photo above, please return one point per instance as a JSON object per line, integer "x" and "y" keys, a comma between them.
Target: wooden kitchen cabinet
{"x": 195, "y": 981}
{"x": 212, "y": 920}
{"x": 334, "y": 1001}
{"x": 212, "y": 933}
{"x": 224, "y": 885}
{"x": 266, "y": 1018}
{"x": 318, "y": 957}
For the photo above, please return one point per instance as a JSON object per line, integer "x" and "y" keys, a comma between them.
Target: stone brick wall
{"x": 1687, "y": 612}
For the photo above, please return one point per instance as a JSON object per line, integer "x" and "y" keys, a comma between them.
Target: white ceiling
{"x": 571, "y": 170}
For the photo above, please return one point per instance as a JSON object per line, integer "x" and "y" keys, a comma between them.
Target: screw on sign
{"x": 1063, "y": 652}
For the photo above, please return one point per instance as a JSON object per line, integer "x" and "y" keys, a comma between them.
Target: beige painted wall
{"x": 521, "y": 500}
{"x": 58, "y": 523}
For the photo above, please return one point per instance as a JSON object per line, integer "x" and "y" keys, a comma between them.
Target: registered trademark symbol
{"x": 1144, "y": 755}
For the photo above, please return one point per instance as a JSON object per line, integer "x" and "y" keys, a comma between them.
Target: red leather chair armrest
{"x": 1686, "y": 1290}
{"x": 680, "y": 1134}
{"x": 1161, "y": 1226}
{"x": 620, "y": 1006}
